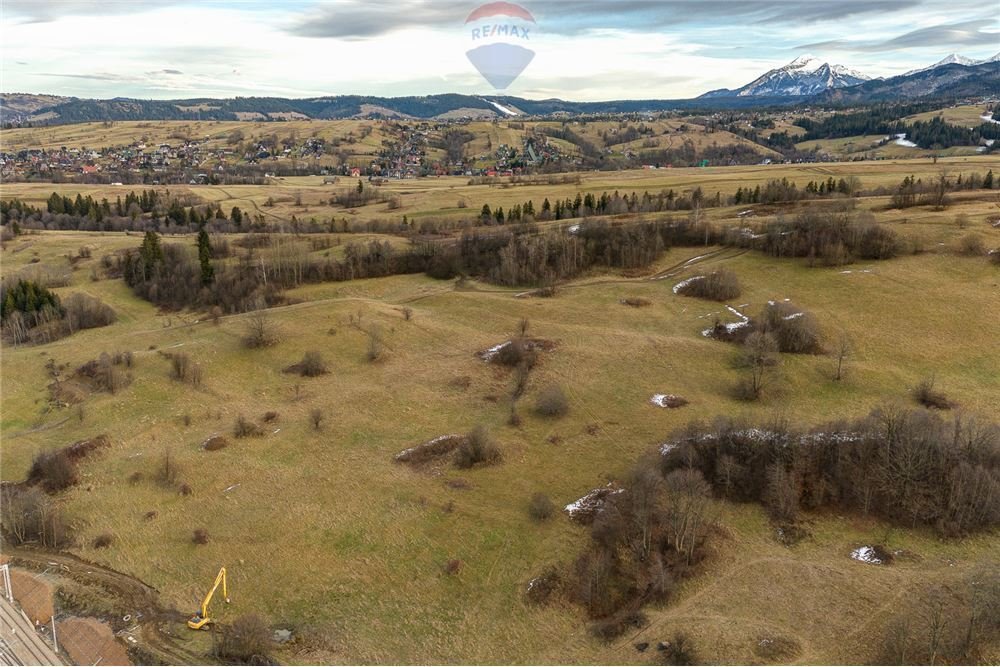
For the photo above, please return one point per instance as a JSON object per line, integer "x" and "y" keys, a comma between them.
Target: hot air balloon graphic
{"x": 501, "y": 33}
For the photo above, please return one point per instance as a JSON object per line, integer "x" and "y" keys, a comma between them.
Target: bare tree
{"x": 260, "y": 330}
{"x": 842, "y": 352}
{"x": 316, "y": 418}
{"x": 759, "y": 355}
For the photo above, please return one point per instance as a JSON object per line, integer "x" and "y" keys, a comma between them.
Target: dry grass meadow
{"x": 323, "y": 533}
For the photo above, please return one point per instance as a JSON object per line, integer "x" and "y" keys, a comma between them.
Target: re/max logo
{"x": 499, "y": 30}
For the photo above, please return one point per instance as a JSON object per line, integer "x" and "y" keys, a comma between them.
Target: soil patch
{"x": 34, "y": 594}
{"x": 88, "y": 641}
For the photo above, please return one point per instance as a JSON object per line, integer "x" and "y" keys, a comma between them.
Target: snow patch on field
{"x": 901, "y": 140}
{"x": 587, "y": 506}
{"x": 501, "y": 108}
{"x": 988, "y": 117}
{"x": 866, "y": 555}
{"x": 488, "y": 354}
{"x": 684, "y": 283}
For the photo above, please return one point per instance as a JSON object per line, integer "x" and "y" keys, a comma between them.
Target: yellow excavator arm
{"x": 200, "y": 618}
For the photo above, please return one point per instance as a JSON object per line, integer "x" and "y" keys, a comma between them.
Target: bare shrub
{"x": 215, "y": 443}
{"x": 376, "y": 346}
{"x": 782, "y": 494}
{"x": 184, "y": 369}
{"x": 929, "y": 397}
{"x": 104, "y": 374}
{"x": 199, "y": 536}
{"x": 407, "y": 314}
{"x": 972, "y": 245}
{"x": 269, "y": 417}
{"x": 615, "y": 626}
{"x": 135, "y": 477}
{"x": 552, "y": 402}
{"x": 167, "y": 472}
{"x": 516, "y": 352}
{"x": 679, "y": 650}
{"x": 453, "y": 566}
{"x": 244, "y": 428}
{"x": 53, "y": 470}
{"x": 87, "y": 312}
{"x": 259, "y": 330}
{"x": 103, "y": 541}
{"x": 542, "y": 588}
{"x": 477, "y": 448}
{"x": 794, "y": 330}
{"x": 28, "y": 515}
{"x": 758, "y": 356}
{"x": 541, "y": 507}
{"x": 185, "y": 490}
{"x": 247, "y": 639}
{"x": 635, "y": 302}
{"x": 316, "y": 418}
{"x": 312, "y": 365}
{"x": 720, "y": 285}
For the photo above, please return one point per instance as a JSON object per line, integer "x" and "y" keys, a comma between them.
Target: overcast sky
{"x": 585, "y": 49}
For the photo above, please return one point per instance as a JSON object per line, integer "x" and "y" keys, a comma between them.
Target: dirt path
{"x": 157, "y": 633}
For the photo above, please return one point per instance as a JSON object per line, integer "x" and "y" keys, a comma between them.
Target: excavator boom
{"x": 201, "y": 619}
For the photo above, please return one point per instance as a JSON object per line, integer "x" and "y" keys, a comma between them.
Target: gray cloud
{"x": 354, "y": 19}
{"x": 967, "y": 33}
{"x": 42, "y": 11}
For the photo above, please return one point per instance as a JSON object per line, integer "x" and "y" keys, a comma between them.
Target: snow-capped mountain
{"x": 955, "y": 59}
{"x": 806, "y": 75}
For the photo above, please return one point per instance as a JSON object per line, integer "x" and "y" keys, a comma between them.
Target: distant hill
{"x": 802, "y": 82}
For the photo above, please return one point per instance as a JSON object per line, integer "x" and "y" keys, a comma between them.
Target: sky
{"x": 585, "y": 50}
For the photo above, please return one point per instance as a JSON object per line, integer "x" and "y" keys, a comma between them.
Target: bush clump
{"x": 247, "y": 639}
{"x": 541, "y": 507}
{"x": 103, "y": 541}
{"x": 552, "y": 402}
{"x": 53, "y": 470}
{"x": 312, "y": 365}
{"x": 720, "y": 285}
{"x": 199, "y": 536}
{"x": 926, "y": 395}
{"x": 244, "y": 428}
{"x": 477, "y": 448}
{"x": 795, "y": 330}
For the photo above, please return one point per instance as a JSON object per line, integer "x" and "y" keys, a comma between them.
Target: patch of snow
{"x": 230, "y": 488}
{"x": 747, "y": 212}
{"x": 663, "y": 400}
{"x": 573, "y": 229}
{"x": 695, "y": 259}
{"x": 684, "y": 283}
{"x": 488, "y": 354}
{"x": 901, "y": 140}
{"x": 501, "y": 108}
{"x": 792, "y": 316}
{"x": 406, "y": 452}
{"x": 988, "y": 117}
{"x": 592, "y": 501}
{"x": 866, "y": 555}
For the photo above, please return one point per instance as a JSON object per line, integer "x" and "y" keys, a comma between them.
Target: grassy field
{"x": 439, "y": 198}
{"x": 323, "y": 533}
{"x": 968, "y": 115}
